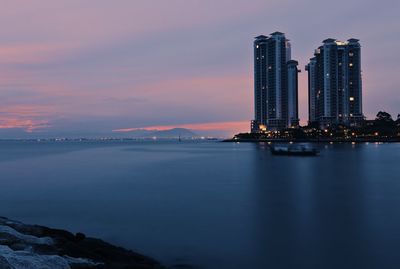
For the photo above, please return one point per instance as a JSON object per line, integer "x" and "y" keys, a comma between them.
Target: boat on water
{"x": 294, "y": 150}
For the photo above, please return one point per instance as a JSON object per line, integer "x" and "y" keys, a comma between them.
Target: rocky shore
{"x": 25, "y": 246}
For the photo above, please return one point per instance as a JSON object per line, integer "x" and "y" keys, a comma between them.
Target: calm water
{"x": 214, "y": 205}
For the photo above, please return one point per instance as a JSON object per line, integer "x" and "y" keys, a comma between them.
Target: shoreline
{"x": 314, "y": 140}
{"x": 40, "y": 247}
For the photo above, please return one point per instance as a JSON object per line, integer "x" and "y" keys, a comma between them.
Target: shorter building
{"x": 335, "y": 84}
{"x": 293, "y": 99}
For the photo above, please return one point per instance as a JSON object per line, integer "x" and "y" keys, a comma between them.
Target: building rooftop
{"x": 261, "y": 37}
{"x": 293, "y": 62}
{"x": 277, "y": 33}
{"x": 340, "y": 43}
{"x": 353, "y": 40}
{"x": 329, "y": 40}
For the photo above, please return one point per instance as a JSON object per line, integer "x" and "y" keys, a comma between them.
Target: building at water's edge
{"x": 275, "y": 84}
{"x": 335, "y": 84}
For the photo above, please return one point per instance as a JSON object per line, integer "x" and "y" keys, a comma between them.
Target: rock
{"x": 4, "y": 263}
{"x": 80, "y": 236}
{"x": 29, "y": 260}
{"x": 37, "y": 247}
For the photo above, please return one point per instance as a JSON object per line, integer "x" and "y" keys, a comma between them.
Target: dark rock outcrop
{"x": 32, "y": 246}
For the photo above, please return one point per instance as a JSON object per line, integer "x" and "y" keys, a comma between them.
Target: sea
{"x": 213, "y": 205}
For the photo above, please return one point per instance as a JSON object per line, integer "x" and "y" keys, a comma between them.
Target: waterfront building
{"x": 275, "y": 84}
{"x": 335, "y": 84}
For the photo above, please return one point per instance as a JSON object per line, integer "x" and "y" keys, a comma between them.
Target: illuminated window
{"x": 350, "y": 64}
{"x": 257, "y": 46}
{"x": 351, "y": 54}
{"x": 351, "y": 98}
{"x": 263, "y": 128}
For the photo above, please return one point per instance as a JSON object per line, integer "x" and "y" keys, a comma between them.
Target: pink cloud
{"x": 33, "y": 53}
{"x": 27, "y": 117}
{"x": 25, "y": 124}
{"x": 236, "y": 126}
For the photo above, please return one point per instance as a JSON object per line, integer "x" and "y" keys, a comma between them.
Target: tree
{"x": 384, "y": 124}
{"x": 384, "y": 116}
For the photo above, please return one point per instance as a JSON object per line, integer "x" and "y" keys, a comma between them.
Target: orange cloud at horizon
{"x": 29, "y": 118}
{"x": 25, "y": 124}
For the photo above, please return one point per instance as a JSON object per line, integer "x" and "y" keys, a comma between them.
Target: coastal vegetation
{"x": 382, "y": 129}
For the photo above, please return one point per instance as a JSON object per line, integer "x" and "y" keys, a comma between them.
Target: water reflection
{"x": 215, "y": 205}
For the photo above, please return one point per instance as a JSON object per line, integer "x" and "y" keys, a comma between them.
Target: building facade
{"x": 275, "y": 84}
{"x": 293, "y": 99}
{"x": 335, "y": 83}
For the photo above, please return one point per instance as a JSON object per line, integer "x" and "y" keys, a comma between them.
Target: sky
{"x": 94, "y": 66}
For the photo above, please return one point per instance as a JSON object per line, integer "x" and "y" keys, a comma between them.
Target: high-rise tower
{"x": 334, "y": 83}
{"x": 275, "y": 105}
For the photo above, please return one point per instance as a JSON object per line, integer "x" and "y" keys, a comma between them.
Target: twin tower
{"x": 334, "y": 84}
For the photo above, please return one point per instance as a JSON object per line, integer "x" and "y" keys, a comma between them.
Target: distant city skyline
{"x": 97, "y": 66}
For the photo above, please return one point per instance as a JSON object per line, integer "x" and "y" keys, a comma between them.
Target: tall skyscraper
{"x": 334, "y": 83}
{"x": 275, "y": 84}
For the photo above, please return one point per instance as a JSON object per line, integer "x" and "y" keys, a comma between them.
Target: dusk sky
{"x": 73, "y": 66}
